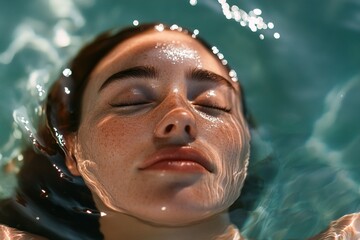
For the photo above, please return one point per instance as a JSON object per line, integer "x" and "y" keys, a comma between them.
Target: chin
{"x": 178, "y": 215}
{"x": 175, "y": 219}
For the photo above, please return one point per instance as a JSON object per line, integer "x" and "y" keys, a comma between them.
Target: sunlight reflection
{"x": 251, "y": 19}
{"x": 135, "y": 22}
{"x": 62, "y": 38}
{"x": 193, "y": 2}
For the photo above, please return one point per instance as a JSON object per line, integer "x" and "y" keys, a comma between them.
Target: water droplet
{"x": 195, "y": 33}
{"x": 174, "y": 27}
{"x": 257, "y": 11}
{"x": 193, "y": 2}
{"x": 160, "y": 27}
{"x": 232, "y": 73}
{"x": 67, "y": 72}
{"x": 67, "y": 91}
{"x": 215, "y": 50}
{"x": 20, "y": 157}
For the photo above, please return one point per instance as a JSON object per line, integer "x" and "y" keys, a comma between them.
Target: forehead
{"x": 154, "y": 47}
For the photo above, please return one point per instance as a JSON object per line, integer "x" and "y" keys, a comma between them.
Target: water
{"x": 301, "y": 78}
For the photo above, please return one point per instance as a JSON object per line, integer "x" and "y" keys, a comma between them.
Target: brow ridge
{"x": 133, "y": 72}
{"x": 199, "y": 74}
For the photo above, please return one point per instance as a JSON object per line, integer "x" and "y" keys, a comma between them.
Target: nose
{"x": 177, "y": 126}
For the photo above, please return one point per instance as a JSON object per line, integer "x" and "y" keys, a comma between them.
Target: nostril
{"x": 187, "y": 128}
{"x": 169, "y": 128}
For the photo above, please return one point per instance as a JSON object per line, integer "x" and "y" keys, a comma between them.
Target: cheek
{"x": 106, "y": 153}
{"x": 107, "y": 148}
{"x": 235, "y": 154}
{"x": 108, "y": 139}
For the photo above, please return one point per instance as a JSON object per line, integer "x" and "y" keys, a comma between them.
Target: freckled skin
{"x": 112, "y": 142}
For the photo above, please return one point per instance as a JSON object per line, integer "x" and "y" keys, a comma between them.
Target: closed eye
{"x": 129, "y": 104}
{"x": 214, "y": 107}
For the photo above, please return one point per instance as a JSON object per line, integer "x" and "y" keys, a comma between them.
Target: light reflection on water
{"x": 302, "y": 89}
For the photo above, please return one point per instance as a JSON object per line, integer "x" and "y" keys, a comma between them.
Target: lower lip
{"x": 178, "y": 166}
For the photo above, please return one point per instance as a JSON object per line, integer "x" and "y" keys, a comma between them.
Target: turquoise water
{"x": 301, "y": 80}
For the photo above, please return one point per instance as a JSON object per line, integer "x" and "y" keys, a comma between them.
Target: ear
{"x": 70, "y": 159}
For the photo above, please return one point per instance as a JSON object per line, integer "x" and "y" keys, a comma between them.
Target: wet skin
{"x": 162, "y": 136}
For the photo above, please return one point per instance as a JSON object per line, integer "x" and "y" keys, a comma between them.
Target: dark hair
{"x": 49, "y": 201}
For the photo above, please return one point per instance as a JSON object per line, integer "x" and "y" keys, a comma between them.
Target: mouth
{"x": 178, "y": 159}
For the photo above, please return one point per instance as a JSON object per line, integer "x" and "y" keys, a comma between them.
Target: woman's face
{"x": 162, "y": 136}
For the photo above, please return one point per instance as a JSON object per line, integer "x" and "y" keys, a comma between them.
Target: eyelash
{"x": 129, "y": 104}
{"x": 213, "y": 106}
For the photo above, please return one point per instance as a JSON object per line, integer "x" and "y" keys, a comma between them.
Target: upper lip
{"x": 184, "y": 153}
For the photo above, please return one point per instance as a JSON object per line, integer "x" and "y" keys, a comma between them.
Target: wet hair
{"x": 49, "y": 201}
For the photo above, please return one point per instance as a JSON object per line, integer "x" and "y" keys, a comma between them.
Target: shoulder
{"x": 346, "y": 227}
{"x": 14, "y": 234}
{"x": 232, "y": 232}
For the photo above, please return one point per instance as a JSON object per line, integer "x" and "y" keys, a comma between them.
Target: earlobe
{"x": 70, "y": 159}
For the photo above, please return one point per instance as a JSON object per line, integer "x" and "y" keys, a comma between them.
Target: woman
{"x": 155, "y": 125}
{"x": 145, "y": 137}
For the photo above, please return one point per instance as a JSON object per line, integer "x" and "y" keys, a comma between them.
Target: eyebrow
{"x": 196, "y": 74}
{"x": 133, "y": 72}
{"x": 199, "y": 74}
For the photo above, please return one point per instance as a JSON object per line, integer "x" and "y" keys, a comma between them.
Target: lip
{"x": 184, "y": 159}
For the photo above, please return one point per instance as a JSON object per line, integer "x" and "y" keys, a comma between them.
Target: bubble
{"x": 261, "y": 36}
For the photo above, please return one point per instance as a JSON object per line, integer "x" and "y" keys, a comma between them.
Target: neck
{"x": 117, "y": 225}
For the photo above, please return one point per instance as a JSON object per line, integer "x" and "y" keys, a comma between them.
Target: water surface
{"x": 301, "y": 76}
